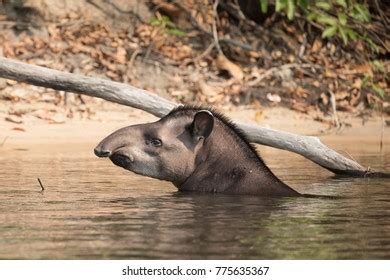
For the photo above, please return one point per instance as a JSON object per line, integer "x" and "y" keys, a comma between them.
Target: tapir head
{"x": 166, "y": 149}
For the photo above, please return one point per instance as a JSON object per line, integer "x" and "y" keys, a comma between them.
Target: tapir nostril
{"x": 102, "y": 153}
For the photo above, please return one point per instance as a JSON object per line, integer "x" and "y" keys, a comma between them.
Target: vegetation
{"x": 342, "y": 18}
{"x": 314, "y": 57}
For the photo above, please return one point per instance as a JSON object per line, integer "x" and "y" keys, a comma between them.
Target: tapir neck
{"x": 218, "y": 170}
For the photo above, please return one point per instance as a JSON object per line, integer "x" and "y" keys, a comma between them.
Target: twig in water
{"x": 5, "y": 139}
{"x": 40, "y": 183}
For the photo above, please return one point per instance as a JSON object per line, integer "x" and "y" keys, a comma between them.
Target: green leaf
{"x": 351, "y": 33}
{"x": 290, "y": 9}
{"x": 176, "y": 32}
{"x": 326, "y": 19}
{"x": 378, "y": 90}
{"x": 264, "y": 5}
{"x": 342, "y": 18}
{"x": 342, "y": 3}
{"x": 303, "y": 4}
{"x": 371, "y": 44}
{"x": 280, "y": 5}
{"x": 361, "y": 13}
{"x": 379, "y": 66}
{"x": 366, "y": 79}
{"x": 165, "y": 19}
{"x": 170, "y": 24}
{"x": 155, "y": 22}
{"x": 329, "y": 31}
{"x": 312, "y": 16}
{"x": 324, "y": 5}
{"x": 343, "y": 35}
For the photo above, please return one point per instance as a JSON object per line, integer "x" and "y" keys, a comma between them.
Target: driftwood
{"x": 307, "y": 146}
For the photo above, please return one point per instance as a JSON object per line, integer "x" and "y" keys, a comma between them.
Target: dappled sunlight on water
{"x": 94, "y": 210}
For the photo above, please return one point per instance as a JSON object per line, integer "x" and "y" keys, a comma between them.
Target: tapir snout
{"x": 119, "y": 146}
{"x": 116, "y": 140}
{"x": 100, "y": 152}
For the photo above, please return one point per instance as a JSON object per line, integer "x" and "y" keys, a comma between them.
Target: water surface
{"x": 91, "y": 209}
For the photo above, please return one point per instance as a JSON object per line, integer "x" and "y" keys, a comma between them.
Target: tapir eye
{"x": 156, "y": 142}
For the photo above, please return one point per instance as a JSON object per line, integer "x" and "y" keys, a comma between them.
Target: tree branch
{"x": 307, "y": 146}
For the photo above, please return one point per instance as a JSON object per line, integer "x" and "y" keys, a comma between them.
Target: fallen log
{"x": 308, "y": 146}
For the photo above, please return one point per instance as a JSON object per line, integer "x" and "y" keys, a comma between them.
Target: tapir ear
{"x": 203, "y": 124}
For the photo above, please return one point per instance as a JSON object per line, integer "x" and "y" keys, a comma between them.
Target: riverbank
{"x": 35, "y": 128}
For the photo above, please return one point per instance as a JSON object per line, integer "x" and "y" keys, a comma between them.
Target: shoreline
{"x": 34, "y": 131}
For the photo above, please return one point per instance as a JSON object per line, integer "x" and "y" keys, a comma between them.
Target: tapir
{"x": 197, "y": 149}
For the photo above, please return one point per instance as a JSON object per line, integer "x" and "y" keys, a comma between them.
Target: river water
{"x": 91, "y": 209}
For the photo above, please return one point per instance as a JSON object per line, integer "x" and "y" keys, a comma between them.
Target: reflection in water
{"x": 91, "y": 209}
